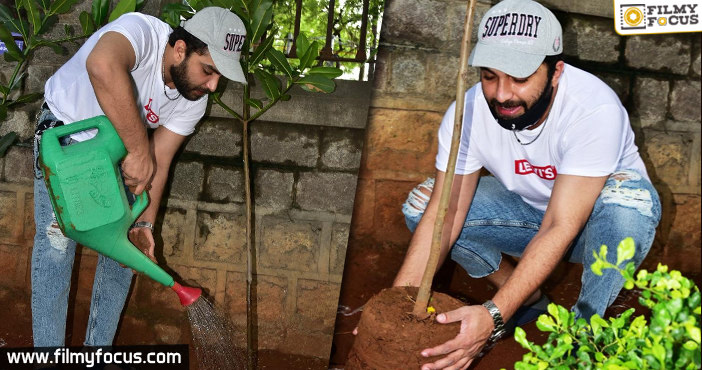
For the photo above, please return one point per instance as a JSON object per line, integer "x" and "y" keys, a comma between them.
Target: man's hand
{"x": 143, "y": 238}
{"x": 138, "y": 171}
{"x": 476, "y": 327}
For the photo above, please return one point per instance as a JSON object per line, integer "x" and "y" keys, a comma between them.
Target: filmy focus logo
{"x": 637, "y": 17}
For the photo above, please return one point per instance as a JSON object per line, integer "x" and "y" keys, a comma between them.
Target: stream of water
{"x": 213, "y": 337}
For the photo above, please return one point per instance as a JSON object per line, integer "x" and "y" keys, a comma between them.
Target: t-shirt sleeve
{"x": 466, "y": 162}
{"x": 139, "y": 33}
{"x": 593, "y": 145}
{"x": 186, "y": 116}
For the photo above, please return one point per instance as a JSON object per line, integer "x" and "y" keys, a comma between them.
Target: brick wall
{"x": 305, "y": 158}
{"x": 657, "y": 77}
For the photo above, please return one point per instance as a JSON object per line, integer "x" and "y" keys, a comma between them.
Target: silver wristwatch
{"x": 499, "y": 330}
{"x": 145, "y": 224}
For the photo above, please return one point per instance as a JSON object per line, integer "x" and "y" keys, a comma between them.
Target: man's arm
{"x": 108, "y": 67}
{"x": 415, "y": 262}
{"x": 165, "y": 144}
{"x": 569, "y": 208}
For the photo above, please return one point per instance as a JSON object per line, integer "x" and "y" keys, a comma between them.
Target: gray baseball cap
{"x": 515, "y": 36}
{"x": 224, "y": 33}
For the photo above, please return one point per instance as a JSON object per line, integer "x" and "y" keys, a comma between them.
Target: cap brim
{"x": 228, "y": 67}
{"x": 514, "y": 63}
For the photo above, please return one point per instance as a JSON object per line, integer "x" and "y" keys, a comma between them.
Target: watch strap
{"x": 145, "y": 224}
{"x": 499, "y": 329}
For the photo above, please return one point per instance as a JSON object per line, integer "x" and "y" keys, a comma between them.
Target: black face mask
{"x": 530, "y": 116}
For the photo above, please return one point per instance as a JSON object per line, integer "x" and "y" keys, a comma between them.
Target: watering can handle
{"x": 50, "y": 138}
{"x": 140, "y": 203}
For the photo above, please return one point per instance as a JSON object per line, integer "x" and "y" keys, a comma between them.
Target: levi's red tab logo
{"x": 151, "y": 116}
{"x": 523, "y": 167}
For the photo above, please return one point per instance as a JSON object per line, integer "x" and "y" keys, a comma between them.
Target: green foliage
{"x": 346, "y": 26}
{"x": 264, "y": 65}
{"x": 670, "y": 340}
{"x": 32, "y": 20}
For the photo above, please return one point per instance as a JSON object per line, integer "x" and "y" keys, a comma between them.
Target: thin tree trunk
{"x": 420, "y": 305}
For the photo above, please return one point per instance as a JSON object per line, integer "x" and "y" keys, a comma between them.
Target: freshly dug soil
{"x": 390, "y": 337}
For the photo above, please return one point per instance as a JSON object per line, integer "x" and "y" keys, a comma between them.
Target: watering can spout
{"x": 188, "y": 295}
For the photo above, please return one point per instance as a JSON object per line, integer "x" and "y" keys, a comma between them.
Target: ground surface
{"x": 366, "y": 274}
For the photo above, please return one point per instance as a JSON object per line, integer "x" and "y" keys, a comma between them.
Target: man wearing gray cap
{"x": 152, "y": 83}
{"x": 567, "y": 178}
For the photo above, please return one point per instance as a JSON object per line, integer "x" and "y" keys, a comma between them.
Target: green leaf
{"x": 12, "y": 48}
{"x": 596, "y": 266}
{"x": 44, "y": 4}
{"x": 171, "y": 13}
{"x": 33, "y": 15}
{"x": 520, "y": 337}
{"x": 659, "y": 352}
{"x": 603, "y": 253}
{"x": 100, "y": 9}
{"x": 301, "y": 45}
{"x": 139, "y": 5}
{"x": 310, "y": 56}
{"x": 269, "y": 83}
{"x": 260, "y": 51}
{"x": 694, "y": 333}
{"x": 328, "y": 72}
{"x": 690, "y": 345}
{"x": 123, "y": 7}
{"x": 49, "y": 23}
{"x": 546, "y": 323}
{"x": 61, "y": 6}
{"x": 625, "y": 250}
{"x": 87, "y": 25}
{"x": 279, "y": 61}
{"x": 285, "y": 97}
{"x": 316, "y": 83}
{"x": 5, "y": 14}
{"x": 16, "y": 83}
{"x": 261, "y": 19}
{"x": 6, "y": 141}
{"x": 258, "y": 104}
{"x": 28, "y": 98}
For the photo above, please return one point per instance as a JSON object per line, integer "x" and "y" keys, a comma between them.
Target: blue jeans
{"x": 499, "y": 221}
{"x": 52, "y": 263}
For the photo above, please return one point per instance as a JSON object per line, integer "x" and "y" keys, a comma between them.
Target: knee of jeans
{"x": 57, "y": 240}
{"x": 418, "y": 198}
{"x": 416, "y": 203}
{"x": 628, "y": 189}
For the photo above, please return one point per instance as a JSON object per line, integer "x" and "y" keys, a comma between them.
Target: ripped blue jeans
{"x": 52, "y": 264}
{"x": 499, "y": 221}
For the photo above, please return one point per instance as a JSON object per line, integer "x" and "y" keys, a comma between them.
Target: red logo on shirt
{"x": 523, "y": 167}
{"x": 151, "y": 116}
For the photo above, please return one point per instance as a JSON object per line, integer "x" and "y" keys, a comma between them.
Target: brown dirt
{"x": 390, "y": 337}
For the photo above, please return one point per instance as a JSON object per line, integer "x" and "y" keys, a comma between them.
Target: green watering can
{"x": 89, "y": 199}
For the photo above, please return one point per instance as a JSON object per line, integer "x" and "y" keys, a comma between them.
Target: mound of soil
{"x": 390, "y": 337}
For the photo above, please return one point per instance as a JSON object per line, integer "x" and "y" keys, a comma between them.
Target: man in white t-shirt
{"x": 567, "y": 179}
{"x": 144, "y": 77}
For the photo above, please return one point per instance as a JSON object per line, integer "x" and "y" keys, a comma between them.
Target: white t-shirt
{"x": 71, "y": 97}
{"x": 586, "y": 133}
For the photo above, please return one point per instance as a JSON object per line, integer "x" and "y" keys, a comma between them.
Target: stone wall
{"x": 305, "y": 158}
{"x": 657, "y": 78}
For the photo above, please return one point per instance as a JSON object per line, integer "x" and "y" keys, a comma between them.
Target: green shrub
{"x": 670, "y": 340}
